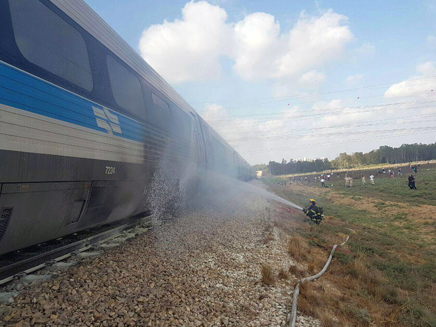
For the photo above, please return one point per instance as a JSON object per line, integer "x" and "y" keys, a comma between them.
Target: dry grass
{"x": 356, "y": 296}
{"x": 328, "y": 319}
{"x": 384, "y": 276}
{"x": 268, "y": 277}
{"x": 283, "y": 274}
{"x": 309, "y": 299}
{"x": 268, "y": 238}
{"x": 311, "y": 268}
{"x": 360, "y": 266}
{"x": 295, "y": 271}
{"x": 285, "y": 220}
{"x": 268, "y": 233}
{"x": 305, "y": 306}
{"x": 298, "y": 248}
{"x": 335, "y": 307}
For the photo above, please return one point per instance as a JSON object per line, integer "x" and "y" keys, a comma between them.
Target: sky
{"x": 293, "y": 79}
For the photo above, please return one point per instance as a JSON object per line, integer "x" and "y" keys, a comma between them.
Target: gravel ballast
{"x": 200, "y": 269}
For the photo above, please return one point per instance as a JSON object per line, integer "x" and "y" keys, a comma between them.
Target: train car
{"x": 88, "y": 130}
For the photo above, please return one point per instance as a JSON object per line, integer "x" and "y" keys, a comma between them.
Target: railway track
{"x": 18, "y": 264}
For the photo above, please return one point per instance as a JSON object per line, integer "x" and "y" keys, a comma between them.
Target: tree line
{"x": 295, "y": 167}
{"x": 384, "y": 154}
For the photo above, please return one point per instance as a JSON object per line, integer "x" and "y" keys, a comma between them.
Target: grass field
{"x": 386, "y": 275}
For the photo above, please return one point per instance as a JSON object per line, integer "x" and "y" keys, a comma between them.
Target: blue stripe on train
{"x": 23, "y": 91}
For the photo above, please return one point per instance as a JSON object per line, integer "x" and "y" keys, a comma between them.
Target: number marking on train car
{"x": 110, "y": 170}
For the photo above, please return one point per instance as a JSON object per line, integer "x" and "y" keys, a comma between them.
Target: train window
{"x": 220, "y": 154}
{"x": 160, "y": 116}
{"x": 48, "y": 41}
{"x": 216, "y": 151}
{"x": 182, "y": 124}
{"x": 126, "y": 87}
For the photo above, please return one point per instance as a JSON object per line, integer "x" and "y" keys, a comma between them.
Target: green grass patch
{"x": 395, "y": 189}
{"x": 343, "y": 258}
{"x": 400, "y": 260}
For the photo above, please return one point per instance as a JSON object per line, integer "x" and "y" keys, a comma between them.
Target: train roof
{"x": 90, "y": 21}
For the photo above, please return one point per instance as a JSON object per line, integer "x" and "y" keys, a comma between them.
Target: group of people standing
{"x": 349, "y": 180}
{"x": 371, "y": 178}
{"x": 324, "y": 178}
{"x": 316, "y": 214}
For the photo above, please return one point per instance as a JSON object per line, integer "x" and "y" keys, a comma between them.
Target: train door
{"x": 202, "y": 161}
{"x": 235, "y": 165}
{"x": 210, "y": 159}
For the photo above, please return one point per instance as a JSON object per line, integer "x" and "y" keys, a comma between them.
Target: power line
{"x": 290, "y": 98}
{"x": 282, "y": 135}
{"x": 405, "y": 133}
{"x": 314, "y": 115}
{"x": 328, "y": 110}
{"x": 380, "y": 131}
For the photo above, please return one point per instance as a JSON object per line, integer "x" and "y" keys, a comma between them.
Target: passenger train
{"x": 86, "y": 124}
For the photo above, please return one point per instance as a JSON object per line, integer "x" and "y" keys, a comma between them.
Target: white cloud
{"x": 337, "y": 113}
{"x": 257, "y": 43}
{"x": 429, "y": 111}
{"x": 312, "y": 42}
{"x": 366, "y": 50}
{"x": 353, "y": 79}
{"x": 431, "y": 42}
{"x": 249, "y": 136}
{"x": 426, "y": 69}
{"x": 227, "y": 126}
{"x": 327, "y": 126}
{"x": 419, "y": 86}
{"x": 214, "y": 112}
{"x": 347, "y": 116}
{"x": 292, "y": 88}
{"x": 302, "y": 86}
{"x": 190, "y": 49}
{"x": 327, "y": 106}
{"x": 311, "y": 79}
{"x": 294, "y": 112}
{"x": 271, "y": 125}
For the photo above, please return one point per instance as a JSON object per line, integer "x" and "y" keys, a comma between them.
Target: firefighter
{"x": 313, "y": 212}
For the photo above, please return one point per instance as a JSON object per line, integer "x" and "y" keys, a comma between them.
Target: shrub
{"x": 283, "y": 274}
{"x": 268, "y": 275}
{"x": 294, "y": 270}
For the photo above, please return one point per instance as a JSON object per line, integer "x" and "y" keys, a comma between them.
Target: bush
{"x": 268, "y": 277}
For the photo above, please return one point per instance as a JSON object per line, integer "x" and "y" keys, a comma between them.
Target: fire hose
{"x": 293, "y": 315}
